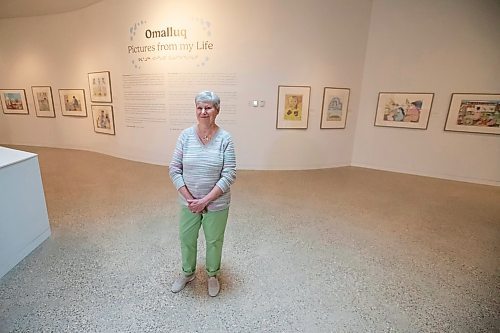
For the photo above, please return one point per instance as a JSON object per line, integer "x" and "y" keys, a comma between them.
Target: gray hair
{"x": 208, "y": 97}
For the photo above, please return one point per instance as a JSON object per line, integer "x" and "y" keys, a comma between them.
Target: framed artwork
{"x": 73, "y": 102}
{"x": 474, "y": 113}
{"x": 293, "y": 107}
{"x": 335, "y": 105}
{"x": 44, "y": 102}
{"x": 100, "y": 87}
{"x": 104, "y": 121}
{"x": 14, "y": 101}
{"x": 406, "y": 110}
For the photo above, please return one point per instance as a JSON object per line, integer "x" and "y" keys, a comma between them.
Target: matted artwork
{"x": 73, "y": 102}
{"x": 100, "y": 87}
{"x": 14, "y": 101}
{"x": 104, "y": 121}
{"x": 475, "y": 113}
{"x": 293, "y": 107}
{"x": 335, "y": 105}
{"x": 44, "y": 101}
{"x": 406, "y": 110}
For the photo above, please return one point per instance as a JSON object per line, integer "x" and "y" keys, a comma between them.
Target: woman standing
{"x": 203, "y": 168}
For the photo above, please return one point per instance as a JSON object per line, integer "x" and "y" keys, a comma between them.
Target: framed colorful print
{"x": 293, "y": 107}
{"x": 100, "y": 87}
{"x": 406, "y": 110}
{"x": 73, "y": 102}
{"x": 335, "y": 106}
{"x": 14, "y": 101}
{"x": 474, "y": 113}
{"x": 44, "y": 102}
{"x": 104, "y": 121}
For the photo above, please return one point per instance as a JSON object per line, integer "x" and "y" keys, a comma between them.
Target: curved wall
{"x": 256, "y": 46}
{"x": 368, "y": 46}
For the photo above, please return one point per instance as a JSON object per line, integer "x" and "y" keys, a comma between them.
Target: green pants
{"x": 214, "y": 225}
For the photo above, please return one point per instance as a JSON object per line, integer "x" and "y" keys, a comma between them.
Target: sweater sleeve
{"x": 228, "y": 173}
{"x": 175, "y": 167}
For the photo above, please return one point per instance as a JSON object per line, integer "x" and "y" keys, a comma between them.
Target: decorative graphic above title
{"x": 170, "y": 43}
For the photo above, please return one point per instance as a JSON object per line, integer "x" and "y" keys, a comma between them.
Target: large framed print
{"x": 73, "y": 102}
{"x": 406, "y": 110}
{"x": 100, "y": 87}
{"x": 44, "y": 101}
{"x": 104, "y": 121}
{"x": 293, "y": 107}
{"x": 474, "y": 113}
{"x": 335, "y": 106}
{"x": 14, "y": 101}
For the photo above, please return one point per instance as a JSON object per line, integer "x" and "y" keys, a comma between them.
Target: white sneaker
{"x": 213, "y": 286}
{"x": 181, "y": 282}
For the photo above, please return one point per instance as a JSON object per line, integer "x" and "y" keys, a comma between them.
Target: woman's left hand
{"x": 197, "y": 206}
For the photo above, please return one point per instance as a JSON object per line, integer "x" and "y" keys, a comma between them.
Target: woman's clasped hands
{"x": 197, "y": 206}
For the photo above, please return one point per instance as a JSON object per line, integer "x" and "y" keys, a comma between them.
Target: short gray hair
{"x": 208, "y": 97}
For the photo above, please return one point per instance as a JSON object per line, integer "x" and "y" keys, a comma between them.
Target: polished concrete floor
{"x": 338, "y": 250}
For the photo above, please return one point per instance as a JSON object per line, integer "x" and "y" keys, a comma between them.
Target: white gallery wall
{"x": 440, "y": 47}
{"x": 257, "y": 45}
{"x": 368, "y": 46}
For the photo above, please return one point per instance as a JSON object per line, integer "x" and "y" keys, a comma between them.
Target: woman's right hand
{"x": 197, "y": 206}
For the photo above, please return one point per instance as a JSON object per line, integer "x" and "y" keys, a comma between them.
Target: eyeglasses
{"x": 206, "y": 109}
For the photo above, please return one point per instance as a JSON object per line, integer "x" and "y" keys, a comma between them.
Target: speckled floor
{"x": 339, "y": 250}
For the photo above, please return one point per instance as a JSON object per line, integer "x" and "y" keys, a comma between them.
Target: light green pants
{"x": 214, "y": 225}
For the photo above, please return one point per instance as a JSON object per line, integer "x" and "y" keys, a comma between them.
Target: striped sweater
{"x": 200, "y": 166}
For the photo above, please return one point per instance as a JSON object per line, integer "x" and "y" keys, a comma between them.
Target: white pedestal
{"x": 24, "y": 222}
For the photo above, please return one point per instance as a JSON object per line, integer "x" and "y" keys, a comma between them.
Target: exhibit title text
{"x": 167, "y": 42}
{"x": 168, "y": 32}
{"x": 189, "y": 47}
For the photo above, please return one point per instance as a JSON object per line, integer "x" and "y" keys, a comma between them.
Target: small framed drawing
{"x": 14, "y": 101}
{"x": 474, "y": 113}
{"x": 44, "y": 102}
{"x": 73, "y": 102}
{"x": 293, "y": 107}
{"x": 104, "y": 121}
{"x": 406, "y": 110}
{"x": 334, "y": 110}
{"x": 100, "y": 87}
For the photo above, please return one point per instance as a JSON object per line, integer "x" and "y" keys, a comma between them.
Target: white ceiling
{"x": 24, "y": 8}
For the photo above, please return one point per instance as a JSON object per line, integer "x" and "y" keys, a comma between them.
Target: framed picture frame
{"x": 474, "y": 113}
{"x": 404, "y": 110}
{"x": 44, "y": 101}
{"x": 100, "y": 87}
{"x": 14, "y": 101}
{"x": 104, "y": 120}
{"x": 73, "y": 102}
{"x": 335, "y": 107}
{"x": 293, "y": 107}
